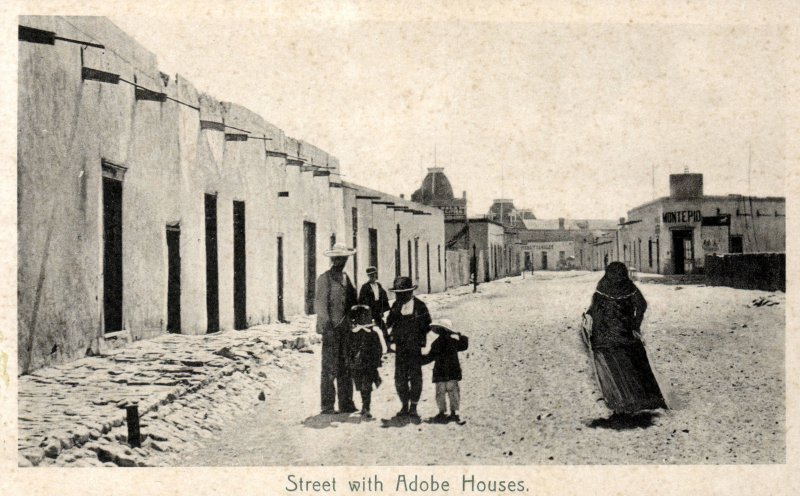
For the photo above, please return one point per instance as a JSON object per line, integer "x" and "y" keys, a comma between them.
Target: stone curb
{"x": 233, "y": 351}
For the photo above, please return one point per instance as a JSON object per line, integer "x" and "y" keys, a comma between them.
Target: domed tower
{"x": 436, "y": 191}
{"x": 435, "y": 186}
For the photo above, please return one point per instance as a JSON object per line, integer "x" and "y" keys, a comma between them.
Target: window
{"x": 737, "y": 244}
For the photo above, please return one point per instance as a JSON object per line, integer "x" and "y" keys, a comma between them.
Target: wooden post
{"x": 134, "y": 435}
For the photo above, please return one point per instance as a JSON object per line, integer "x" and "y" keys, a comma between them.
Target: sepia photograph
{"x": 336, "y": 238}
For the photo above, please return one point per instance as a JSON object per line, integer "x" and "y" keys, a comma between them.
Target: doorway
{"x": 354, "y": 212}
{"x": 310, "y": 259}
{"x": 428, "y": 264}
{"x": 281, "y": 317}
{"x": 373, "y": 247}
{"x": 682, "y": 251}
{"x": 174, "y": 279}
{"x": 737, "y": 244}
{"x": 112, "y": 254}
{"x": 544, "y": 260}
{"x": 239, "y": 267}
{"x": 212, "y": 265}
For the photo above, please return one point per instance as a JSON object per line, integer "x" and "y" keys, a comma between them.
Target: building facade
{"x": 145, "y": 206}
{"x": 672, "y": 235}
{"x": 565, "y": 244}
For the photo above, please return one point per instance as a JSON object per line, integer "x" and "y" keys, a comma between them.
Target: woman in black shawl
{"x": 619, "y": 356}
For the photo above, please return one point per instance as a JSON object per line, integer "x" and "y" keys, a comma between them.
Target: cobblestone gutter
{"x": 184, "y": 386}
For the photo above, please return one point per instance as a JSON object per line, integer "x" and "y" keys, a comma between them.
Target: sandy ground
{"x": 529, "y": 396}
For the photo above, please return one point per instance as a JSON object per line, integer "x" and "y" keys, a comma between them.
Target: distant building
{"x": 672, "y": 235}
{"x": 558, "y": 244}
{"x": 491, "y": 240}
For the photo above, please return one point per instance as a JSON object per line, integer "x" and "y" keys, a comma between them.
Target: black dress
{"x": 620, "y": 360}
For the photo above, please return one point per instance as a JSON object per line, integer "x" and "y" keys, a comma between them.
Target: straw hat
{"x": 372, "y": 270}
{"x": 443, "y": 324}
{"x": 339, "y": 250}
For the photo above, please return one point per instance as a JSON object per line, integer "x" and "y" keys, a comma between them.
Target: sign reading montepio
{"x": 682, "y": 216}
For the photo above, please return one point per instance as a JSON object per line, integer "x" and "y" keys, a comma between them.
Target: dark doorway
{"x": 212, "y": 265}
{"x": 310, "y": 259}
{"x": 658, "y": 255}
{"x": 682, "y": 251}
{"x": 281, "y": 316}
{"x": 428, "y": 263}
{"x": 174, "y": 279}
{"x": 737, "y": 244}
{"x": 527, "y": 260}
{"x": 373, "y": 247}
{"x": 544, "y": 260}
{"x": 239, "y": 267}
{"x": 112, "y": 254}
{"x": 355, "y": 245}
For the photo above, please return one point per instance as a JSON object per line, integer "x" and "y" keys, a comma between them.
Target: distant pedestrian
{"x": 366, "y": 349}
{"x": 446, "y": 368}
{"x": 335, "y": 295}
{"x": 619, "y": 357}
{"x": 409, "y": 322}
{"x": 374, "y": 296}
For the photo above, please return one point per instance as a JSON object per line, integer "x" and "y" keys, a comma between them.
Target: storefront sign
{"x": 683, "y": 217}
{"x": 456, "y": 212}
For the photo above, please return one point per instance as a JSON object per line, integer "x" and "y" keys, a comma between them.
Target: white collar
{"x": 408, "y": 307}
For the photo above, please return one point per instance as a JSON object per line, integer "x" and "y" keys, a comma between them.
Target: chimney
{"x": 464, "y": 195}
{"x": 402, "y": 196}
{"x": 561, "y": 223}
{"x": 685, "y": 186}
{"x": 621, "y": 220}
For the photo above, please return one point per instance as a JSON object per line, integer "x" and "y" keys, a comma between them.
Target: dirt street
{"x": 529, "y": 396}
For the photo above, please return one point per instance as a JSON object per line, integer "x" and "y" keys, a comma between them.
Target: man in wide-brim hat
{"x": 374, "y": 296}
{"x": 409, "y": 321}
{"x": 335, "y": 295}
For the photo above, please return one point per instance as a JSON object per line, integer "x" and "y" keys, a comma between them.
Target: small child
{"x": 446, "y": 368}
{"x": 366, "y": 348}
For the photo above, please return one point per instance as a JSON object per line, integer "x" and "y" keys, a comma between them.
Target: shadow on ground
{"x": 400, "y": 421}
{"x": 625, "y": 422}
{"x": 325, "y": 420}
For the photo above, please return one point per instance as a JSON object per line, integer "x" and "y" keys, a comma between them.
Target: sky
{"x": 581, "y": 120}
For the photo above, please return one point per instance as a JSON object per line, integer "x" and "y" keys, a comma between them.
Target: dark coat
{"x": 365, "y": 359}
{"x": 409, "y": 332}
{"x": 444, "y": 354}
{"x": 379, "y": 306}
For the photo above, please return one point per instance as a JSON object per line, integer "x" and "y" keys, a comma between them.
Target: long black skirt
{"x": 626, "y": 379}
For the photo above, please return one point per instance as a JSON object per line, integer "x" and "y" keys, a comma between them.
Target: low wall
{"x": 766, "y": 271}
{"x": 457, "y": 263}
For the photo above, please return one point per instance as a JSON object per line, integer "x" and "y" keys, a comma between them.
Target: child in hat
{"x": 366, "y": 349}
{"x": 446, "y": 368}
{"x": 409, "y": 321}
